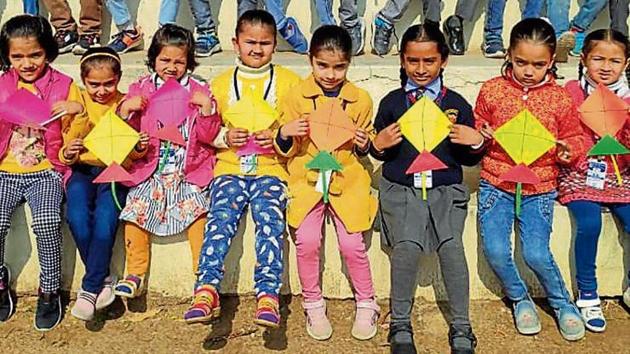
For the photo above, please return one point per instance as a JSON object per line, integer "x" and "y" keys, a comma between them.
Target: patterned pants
{"x": 43, "y": 191}
{"x": 229, "y": 197}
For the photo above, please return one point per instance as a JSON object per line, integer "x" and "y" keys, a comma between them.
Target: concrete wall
{"x": 224, "y": 12}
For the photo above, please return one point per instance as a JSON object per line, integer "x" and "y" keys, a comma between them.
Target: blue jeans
{"x": 348, "y": 14}
{"x": 496, "y": 216}
{"x": 274, "y": 7}
{"x": 493, "y": 29}
{"x": 588, "y": 223}
{"x": 93, "y": 219}
{"x": 120, "y": 13}
{"x": 558, "y": 13}
{"x": 31, "y": 7}
{"x": 200, "y": 9}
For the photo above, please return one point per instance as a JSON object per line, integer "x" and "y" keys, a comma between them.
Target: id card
{"x": 596, "y": 173}
{"x": 249, "y": 164}
{"x": 428, "y": 181}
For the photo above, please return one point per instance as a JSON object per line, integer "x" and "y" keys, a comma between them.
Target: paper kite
{"x": 605, "y": 114}
{"x": 111, "y": 140}
{"x": 525, "y": 139}
{"x": 329, "y": 128}
{"x": 253, "y": 114}
{"x": 424, "y": 125}
{"x": 170, "y": 106}
{"x": 27, "y": 109}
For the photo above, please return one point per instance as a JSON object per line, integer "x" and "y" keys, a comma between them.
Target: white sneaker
{"x": 593, "y": 318}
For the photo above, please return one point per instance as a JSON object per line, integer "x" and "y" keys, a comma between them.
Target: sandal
{"x": 129, "y": 287}
{"x": 268, "y": 312}
{"x": 205, "y": 305}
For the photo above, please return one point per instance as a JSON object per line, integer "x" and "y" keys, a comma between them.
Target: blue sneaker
{"x": 579, "y": 43}
{"x": 525, "y": 317}
{"x": 124, "y": 41}
{"x": 493, "y": 50}
{"x": 570, "y": 323}
{"x": 207, "y": 43}
{"x": 382, "y": 32}
{"x": 292, "y": 34}
{"x": 589, "y": 305}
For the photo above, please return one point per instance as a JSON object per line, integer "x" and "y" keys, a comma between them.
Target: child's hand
{"x": 264, "y": 138}
{"x": 563, "y": 152}
{"x": 361, "y": 139}
{"x": 237, "y": 137}
{"x": 298, "y": 127}
{"x": 388, "y": 137}
{"x": 70, "y": 107}
{"x": 204, "y": 102}
{"x": 143, "y": 143}
{"x": 134, "y": 104}
{"x": 73, "y": 149}
{"x": 465, "y": 135}
{"x": 487, "y": 131}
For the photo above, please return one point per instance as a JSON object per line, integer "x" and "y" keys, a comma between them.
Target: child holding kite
{"x": 33, "y": 95}
{"x": 97, "y": 137}
{"x": 600, "y": 178}
{"x": 248, "y": 173}
{"x": 169, "y": 191}
{"x": 328, "y": 127}
{"x": 425, "y": 135}
{"x": 533, "y": 126}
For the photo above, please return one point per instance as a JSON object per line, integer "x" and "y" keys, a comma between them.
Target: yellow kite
{"x": 252, "y": 113}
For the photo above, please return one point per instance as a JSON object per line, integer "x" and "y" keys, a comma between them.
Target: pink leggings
{"x": 308, "y": 242}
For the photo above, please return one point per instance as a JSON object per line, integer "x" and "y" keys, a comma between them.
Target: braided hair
{"x": 426, "y": 32}
{"x": 536, "y": 30}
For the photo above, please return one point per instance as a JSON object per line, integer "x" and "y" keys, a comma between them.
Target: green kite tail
{"x": 115, "y": 197}
{"x": 519, "y": 193}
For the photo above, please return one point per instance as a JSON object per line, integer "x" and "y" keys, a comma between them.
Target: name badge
{"x": 596, "y": 173}
{"x": 428, "y": 181}
{"x": 249, "y": 164}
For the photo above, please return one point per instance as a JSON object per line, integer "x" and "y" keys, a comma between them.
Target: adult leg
{"x": 493, "y": 29}
{"x": 203, "y": 15}
{"x": 466, "y": 9}
{"x": 168, "y": 11}
{"x": 394, "y": 10}
{"x": 60, "y": 15}
{"x": 349, "y": 13}
{"x": 308, "y": 240}
{"x": 532, "y": 9}
{"x": 90, "y": 17}
{"x": 31, "y": 7}
{"x": 119, "y": 11}
{"x": 587, "y": 14}
{"x": 324, "y": 11}
{"x": 431, "y": 10}
{"x": 558, "y": 13}
{"x": 246, "y": 5}
{"x": 619, "y": 10}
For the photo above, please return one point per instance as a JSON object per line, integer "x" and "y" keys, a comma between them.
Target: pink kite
{"x": 252, "y": 148}
{"x": 170, "y": 106}
{"x": 26, "y": 109}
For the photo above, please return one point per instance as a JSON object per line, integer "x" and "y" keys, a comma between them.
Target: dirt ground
{"x": 154, "y": 325}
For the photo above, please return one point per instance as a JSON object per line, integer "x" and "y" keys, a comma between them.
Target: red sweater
{"x": 499, "y": 100}
{"x": 572, "y": 180}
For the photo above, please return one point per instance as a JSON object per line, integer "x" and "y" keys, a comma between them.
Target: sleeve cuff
{"x": 63, "y": 158}
{"x": 480, "y": 145}
{"x": 220, "y": 142}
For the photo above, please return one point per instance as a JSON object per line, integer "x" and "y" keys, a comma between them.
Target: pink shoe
{"x": 365, "y": 322}
{"x": 317, "y": 324}
{"x": 83, "y": 308}
{"x": 106, "y": 297}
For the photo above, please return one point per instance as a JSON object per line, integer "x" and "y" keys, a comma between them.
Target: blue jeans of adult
{"x": 274, "y": 7}
{"x": 493, "y": 29}
{"x": 31, "y": 7}
{"x": 588, "y": 223}
{"x": 92, "y": 216}
{"x": 120, "y": 13}
{"x": 496, "y": 217}
{"x": 558, "y": 13}
{"x": 348, "y": 14}
{"x": 200, "y": 9}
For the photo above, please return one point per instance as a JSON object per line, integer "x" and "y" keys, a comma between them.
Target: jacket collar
{"x": 548, "y": 80}
{"x": 348, "y": 92}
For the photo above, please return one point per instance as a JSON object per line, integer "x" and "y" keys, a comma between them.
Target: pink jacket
{"x": 200, "y": 155}
{"x": 53, "y": 87}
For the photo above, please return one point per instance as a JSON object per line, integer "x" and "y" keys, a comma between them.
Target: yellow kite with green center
{"x": 424, "y": 125}
{"x": 525, "y": 139}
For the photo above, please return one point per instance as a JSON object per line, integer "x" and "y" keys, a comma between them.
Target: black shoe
{"x": 66, "y": 40}
{"x": 454, "y": 30}
{"x": 48, "y": 313}
{"x": 401, "y": 347}
{"x": 462, "y": 340}
{"x": 87, "y": 41}
{"x": 6, "y": 300}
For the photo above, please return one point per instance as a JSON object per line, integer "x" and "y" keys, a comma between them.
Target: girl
{"x": 29, "y": 158}
{"x": 253, "y": 180}
{"x": 527, "y": 82}
{"x": 412, "y": 225}
{"x": 91, "y": 211}
{"x": 167, "y": 199}
{"x": 351, "y": 207}
{"x": 604, "y": 59}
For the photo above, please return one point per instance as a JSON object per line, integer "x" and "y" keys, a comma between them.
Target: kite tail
{"x": 165, "y": 158}
{"x": 424, "y": 185}
{"x": 115, "y": 197}
{"x": 324, "y": 186}
{"x": 519, "y": 192}
{"x": 617, "y": 173}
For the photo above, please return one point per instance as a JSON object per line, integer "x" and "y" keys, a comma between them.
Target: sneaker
{"x": 357, "y": 33}
{"x": 66, "y": 40}
{"x": 292, "y": 34}
{"x": 87, "y": 41}
{"x": 579, "y": 44}
{"x": 626, "y": 297}
{"x": 525, "y": 317}
{"x": 566, "y": 42}
{"x": 493, "y": 50}
{"x": 48, "y": 314}
{"x": 130, "y": 287}
{"x": 126, "y": 40}
{"x": 462, "y": 340}
{"x": 205, "y": 305}
{"x": 382, "y": 32}
{"x": 317, "y": 324}
{"x": 268, "y": 311}
{"x": 207, "y": 43}
{"x": 106, "y": 297}
{"x": 570, "y": 323}
{"x": 400, "y": 338}
{"x": 85, "y": 306}
{"x": 589, "y": 305}
{"x": 366, "y": 320}
{"x": 454, "y": 31}
{"x": 6, "y": 300}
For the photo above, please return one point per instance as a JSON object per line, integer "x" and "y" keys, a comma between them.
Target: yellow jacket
{"x": 228, "y": 163}
{"x": 349, "y": 190}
